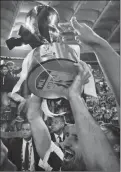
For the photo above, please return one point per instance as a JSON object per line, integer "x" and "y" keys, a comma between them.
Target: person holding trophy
{"x": 49, "y": 77}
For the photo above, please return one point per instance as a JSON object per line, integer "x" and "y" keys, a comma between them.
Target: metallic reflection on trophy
{"x": 49, "y": 55}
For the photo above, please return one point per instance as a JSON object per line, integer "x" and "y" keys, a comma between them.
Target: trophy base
{"x": 51, "y": 78}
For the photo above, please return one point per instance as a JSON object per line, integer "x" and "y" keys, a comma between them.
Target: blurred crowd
{"x": 8, "y": 107}
{"x": 103, "y": 108}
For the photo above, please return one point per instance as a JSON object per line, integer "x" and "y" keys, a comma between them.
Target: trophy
{"x": 49, "y": 68}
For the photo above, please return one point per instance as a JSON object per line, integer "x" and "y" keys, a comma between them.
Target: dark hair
{"x": 2, "y": 66}
{"x": 25, "y": 122}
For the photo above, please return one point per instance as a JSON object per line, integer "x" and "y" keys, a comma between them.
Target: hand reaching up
{"x": 85, "y": 34}
{"x": 80, "y": 80}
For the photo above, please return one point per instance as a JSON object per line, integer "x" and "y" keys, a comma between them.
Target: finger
{"x": 80, "y": 67}
{"x": 84, "y": 74}
{"x": 87, "y": 74}
{"x": 85, "y": 77}
{"x": 84, "y": 65}
{"x": 81, "y": 63}
{"x": 76, "y": 81}
{"x": 84, "y": 69}
{"x": 76, "y": 25}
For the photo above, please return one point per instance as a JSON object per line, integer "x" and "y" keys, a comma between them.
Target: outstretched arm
{"x": 108, "y": 59}
{"x": 96, "y": 150}
{"x": 40, "y": 131}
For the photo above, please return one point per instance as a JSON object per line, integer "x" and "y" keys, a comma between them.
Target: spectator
{"x": 6, "y": 85}
{"x": 17, "y": 151}
{"x": 11, "y": 65}
{"x": 57, "y": 129}
{"x": 7, "y": 81}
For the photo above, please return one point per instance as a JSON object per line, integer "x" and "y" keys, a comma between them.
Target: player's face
{"x": 73, "y": 160}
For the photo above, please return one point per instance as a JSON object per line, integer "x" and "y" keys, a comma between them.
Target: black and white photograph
{"x": 60, "y": 85}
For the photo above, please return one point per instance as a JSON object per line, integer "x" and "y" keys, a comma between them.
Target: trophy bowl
{"x": 52, "y": 78}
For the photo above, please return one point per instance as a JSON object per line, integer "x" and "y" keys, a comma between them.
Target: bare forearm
{"x": 16, "y": 97}
{"x": 95, "y": 148}
{"x": 41, "y": 136}
{"x": 40, "y": 131}
{"x": 109, "y": 61}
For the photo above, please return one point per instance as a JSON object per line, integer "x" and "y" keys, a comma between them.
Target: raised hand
{"x": 85, "y": 33}
{"x": 81, "y": 79}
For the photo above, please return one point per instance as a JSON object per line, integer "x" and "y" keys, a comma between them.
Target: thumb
{"x": 76, "y": 25}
